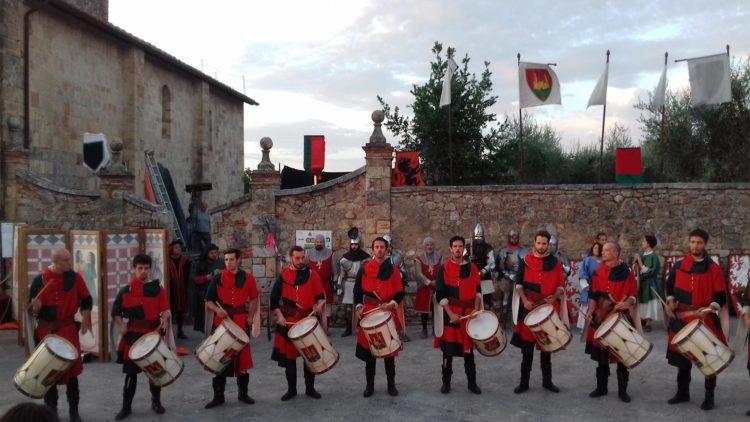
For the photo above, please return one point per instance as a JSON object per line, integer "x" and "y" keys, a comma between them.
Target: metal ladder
{"x": 160, "y": 191}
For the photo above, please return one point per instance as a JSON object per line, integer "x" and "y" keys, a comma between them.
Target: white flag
{"x": 445, "y": 96}
{"x": 710, "y": 80}
{"x": 537, "y": 85}
{"x": 661, "y": 89}
{"x": 599, "y": 95}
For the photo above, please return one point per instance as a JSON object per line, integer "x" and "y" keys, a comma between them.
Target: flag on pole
{"x": 537, "y": 85}
{"x": 599, "y": 95}
{"x": 445, "y": 96}
{"x": 710, "y": 80}
{"x": 628, "y": 165}
{"x": 660, "y": 94}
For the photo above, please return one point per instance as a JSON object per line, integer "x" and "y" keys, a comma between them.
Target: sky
{"x": 316, "y": 67}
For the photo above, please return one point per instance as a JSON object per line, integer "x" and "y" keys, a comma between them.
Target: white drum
{"x": 312, "y": 343}
{"x": 484, "y": 330}
{"x": 699, "y": 345}
{"x": 624, "y": 341}
{"x": 160, "y": 364}
{"x": 49, "y": 362}
{"x": 218, "y": 349}
{"x": 380, "y": 332}
{"x": 549, "y": 331}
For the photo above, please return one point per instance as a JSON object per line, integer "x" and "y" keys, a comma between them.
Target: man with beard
{"x": 179, "y": 271}
{"x": 507, "y": 267}
{"x": 397, "y": 260}
{"x": 296, "y": 293}
{"x": 482, "y": 255}
{"x": 426, "y": 265}
{"x": 613, "y": 289}
{"x": 695, "y": 290}
{"x": 349, "y": 266}
{"x": 209, "y": 266}
{"x": 55, "y": 296}
{"x": 320, "y": 260}
{"x": 540, "y": 279}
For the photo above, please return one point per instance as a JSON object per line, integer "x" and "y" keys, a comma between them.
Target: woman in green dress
{"x": 648, "y": 262}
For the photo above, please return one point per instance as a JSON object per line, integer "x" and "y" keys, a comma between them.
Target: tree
{"x": 475, "y": 131}
{"x": 246, "y": 180}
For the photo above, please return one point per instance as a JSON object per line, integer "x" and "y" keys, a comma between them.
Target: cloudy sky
{"x": 316, "y": 67}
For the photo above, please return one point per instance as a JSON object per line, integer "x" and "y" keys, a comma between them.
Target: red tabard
{"x": 386, "y": 290}
{"x": 538, "y": 282}
{"x": 456, "y": 285}
{"x": 138, "y": 302}
{"x": 60, "y": 302}
{"x": 178, "y": 284}
{"x": 300, "y": 290}
{"x": 324, "y": 270}
{"x": 609, "y": 284}
{"x": 234, "y": 291}
{"x": 424, "y": 293}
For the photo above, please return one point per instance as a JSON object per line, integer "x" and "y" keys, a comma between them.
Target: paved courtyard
{"x": 418, "y": 381}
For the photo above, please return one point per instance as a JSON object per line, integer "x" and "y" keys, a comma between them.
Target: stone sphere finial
{"x": 116, "y": 146}
{"x": 378, "y": 116}
{"x": 377, "y": 137}
{"x": 265, "y": 162}
{"x": 266, "y": 143}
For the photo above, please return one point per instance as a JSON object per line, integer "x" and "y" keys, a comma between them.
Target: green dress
{"x": 650, "y": 278}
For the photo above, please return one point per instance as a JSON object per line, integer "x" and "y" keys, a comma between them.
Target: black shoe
{"x": 288, "y": 395}
{"x": 475, "y": 389}
{"x": 215, "y": 402}
{"x": 679, "y": 398}
{"x": 747, "y": 413}
{"x": 707, "y": 404}
{"x": 598, "y": 392}
{"x": 522, "y": 387}
{"x": 424, "y": 333}
{"x": 625, "y": 397}
{"x": 310, "y": 392}
{"x": 392, "y": 389}
{"x": 157, "y": 407}
{"x": 369, "y": 390}
{"x": 124, "y": 413}
{"x": 550, "y": 387}
{"x": 181, "y": 335}
{"x": 74, "y": 416}
{"x": 405, "y": 338}
{"x": 446, "y": 388}
{"x": 244, "y": 398}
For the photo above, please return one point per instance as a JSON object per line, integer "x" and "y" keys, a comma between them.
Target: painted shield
{"x": 540, "y": 82}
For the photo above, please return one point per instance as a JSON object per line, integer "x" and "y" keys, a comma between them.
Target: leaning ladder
{"x": 160, "y": 191}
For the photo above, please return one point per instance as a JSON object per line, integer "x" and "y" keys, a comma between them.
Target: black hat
{"x": 175, "y": 242}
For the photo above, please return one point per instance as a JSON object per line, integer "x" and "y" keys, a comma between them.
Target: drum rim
{"x": 209, "y": 369}
{"x": 338, "y": 356}
{"x": 305, "y": 333}
{"x": 390, "y": 317}
{"x": 617, "y": 316}
{"x": 542, "y": 321}
{"x": 727, "y": 363}
{"x": 182, "y": 368}
{"x": 141, "y": 338}
{"x": 494, "y": 334}
{"x": 643, "y": 358}
{"x": 495, "y": 354}
{"x": 232, "y": 333}
{"x": 78, "y": 354}
{"x": 690, "y": 332}
{"x": 561, "y": 348}
{"x": 25, "y": 393}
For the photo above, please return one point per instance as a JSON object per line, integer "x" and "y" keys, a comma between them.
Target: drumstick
{"x": 658, "y": 297}
{"x": 373, "y": 310}
{"x": 471, "y": 315}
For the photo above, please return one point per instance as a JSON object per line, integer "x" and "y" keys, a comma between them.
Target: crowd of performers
{"x": 512, "y": 282}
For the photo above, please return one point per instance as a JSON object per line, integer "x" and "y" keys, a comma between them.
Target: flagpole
{"x": 450, "y": 123}
{"x": 520, "y": 127}
{"x": 601, "y": 143}
{"x": 663, "y": 121}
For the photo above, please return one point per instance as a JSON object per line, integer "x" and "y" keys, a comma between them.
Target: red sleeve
{"x": 317, "y": 285}
{"x": 252, "y": 290}
{"x": 632, "y": 286}
{"x": 561, "y": 275}
{"x": 202, "y": 279}
{"x": 82, "y": 290}
{"x": 718, "y": 279}
{"x": 475, "y": 277}
{"x": 163, "y": 301}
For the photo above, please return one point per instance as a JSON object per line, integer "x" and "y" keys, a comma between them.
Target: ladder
{"x": 160, "y": 191}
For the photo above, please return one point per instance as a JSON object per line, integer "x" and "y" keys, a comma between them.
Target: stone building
{"x": 67, "y": 71}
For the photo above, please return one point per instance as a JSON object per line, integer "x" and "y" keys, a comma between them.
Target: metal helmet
{"x": 388, "y": 239}
{"x": 553, "y": 244}
{"x": 354, "y": 236}
{"x": 479, "y": 231}
{"x": 513, "y": 232}
{"x": 355, "y": 240}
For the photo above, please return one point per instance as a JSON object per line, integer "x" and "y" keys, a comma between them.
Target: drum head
{"x": 144, "y": 345}
{"x": 539, "y": 314}
{"x": 482, "y": 326}
{"x": 235, "y": 330}
{"x": 302, "y": 327}
{"x": 608, "y": 323}
{"x": 375, "y": 319}
{"x": 61, "y": 347}
{"x": 686, "y": 331}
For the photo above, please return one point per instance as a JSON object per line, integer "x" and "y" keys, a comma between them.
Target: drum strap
{"x": 372, "y": 301}
{"x": 462, "y": 303}
{"x": 288, "y": 311}
{"x": 54, "y": 326}
{"x": 232, "y": 311}
{"x": 143, "y": 324}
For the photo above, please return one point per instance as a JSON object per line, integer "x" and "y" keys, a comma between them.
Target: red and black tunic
{"x": 141, "y": 304}
{"x": 694, "y": 285}
{"x": 424, "y": 293}
{"x": 67, "y": 292}
{"x": 233, "y": 292}
{"x": 376, "y": 284}
{"x": 459, "y": 285}
{"x": 324, "y": 270}
{"x": 609, "y": 285}
{"x": 179, "y": 271}
{"x": 295, "y": 293}
{"x": 540, "y": 277}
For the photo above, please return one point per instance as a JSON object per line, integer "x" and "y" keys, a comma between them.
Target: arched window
{"x": 166, "y": 113}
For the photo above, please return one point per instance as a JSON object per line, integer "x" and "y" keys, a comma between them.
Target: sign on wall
{"x": 306, "y": 238}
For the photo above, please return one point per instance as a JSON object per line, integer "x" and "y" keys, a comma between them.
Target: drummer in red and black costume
{"x": 378, "y": 284}
{"x": 233, "y": 294}
{"x": 426, "y": 265}
{"x": 55, "y": 297}
{"x": 297, "y": 293}
{"x": 695, "y": 289}
{"x": 613, "y": 289}
{"x": 144, "y": 303}
{"x": 540, "y": 279}
{"x": 459, "y": 293}
{"x": 320, "y": 260}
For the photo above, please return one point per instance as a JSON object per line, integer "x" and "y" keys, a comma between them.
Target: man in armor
{"x": 482, "y": 255}
{"x": 349, "y": 266}
{"x": 426, "y": 265}
{"x": 507, "y": 268}
{"x": 320, "y": 260}
{"x": 397, "y": 260}
{"x": 553, "y": 250}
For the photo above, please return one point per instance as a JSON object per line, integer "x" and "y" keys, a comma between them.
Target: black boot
{"x": 708, "y": 402}
{"x": 291, "y": 380}
{"x": 218, "y": 383}
{"x": 622, "y": 383}
{"x": 683, "y": 387}
{"x": 525, "y": 373}
{"x": 128, "y": 392}
{"x": 471, "y": 373}
{"x": 423, "y": 318}
{"x": 156, "y": 399}
{"x": 546, "y": 360}
{"x": 243, "y": 380}
{"x": 447, "y": 372}
{"x": 73, "y": 398}
{"x": 180, "y": 318}
{"x": 390, "y": 374}
{"x": 310, "y": 383}
{"x": 348, "y": 328}
{"x": 50, "y": 399}
{"x": 369, "y": 378}
{"x": 602, "y": 376}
